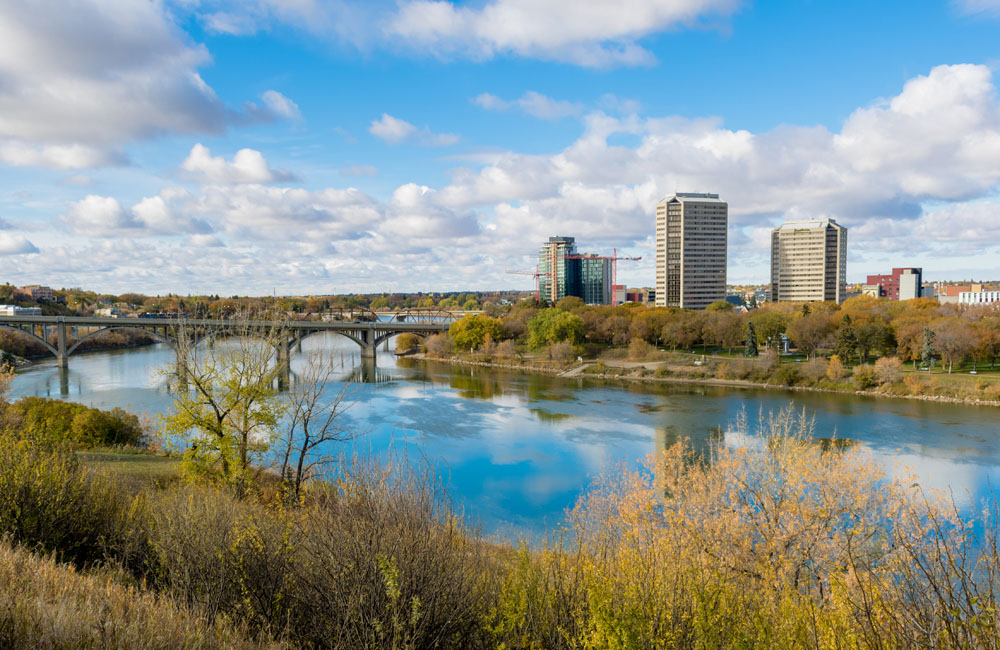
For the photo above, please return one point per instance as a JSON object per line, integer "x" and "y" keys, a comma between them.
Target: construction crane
{"x": 614, "y": 266}
{"x": 537, "y": 274}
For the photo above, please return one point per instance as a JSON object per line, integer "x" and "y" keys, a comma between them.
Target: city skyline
{"x": 316, "y": 148}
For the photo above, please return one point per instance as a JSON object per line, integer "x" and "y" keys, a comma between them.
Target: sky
{"x": 244, "y": 147}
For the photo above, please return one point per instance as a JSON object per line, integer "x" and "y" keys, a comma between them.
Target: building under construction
{"x": 562, "y": 271}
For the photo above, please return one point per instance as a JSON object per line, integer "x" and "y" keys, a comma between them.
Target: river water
{"x": 517, "y": 449}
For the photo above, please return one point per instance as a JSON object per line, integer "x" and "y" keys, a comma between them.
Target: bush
{"x": 47, "y": 605}
{"x": 50, "y": 503}
{"x": 406, "y": 343}
{"x": 785, "y": 375}
{"x": 562, "y": 352}
{"x": 835, "y": 370}
{"x": 814, "y": 369}
{"x": 639, "y": 349}
{"x": 914, "y": 384}
{"x": 888, "y": 370}
{"x": 56, "y": 421}
{"x": 505, "y": 350}
{"x": 865, "y": 377}
{"x": 438, "y": 345}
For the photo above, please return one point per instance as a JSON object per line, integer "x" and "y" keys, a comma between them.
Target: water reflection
{"x": 519, "y": 449}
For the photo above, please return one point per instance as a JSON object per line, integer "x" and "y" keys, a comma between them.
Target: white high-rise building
{"x": 809, "y": 261}
{"x": 691, "y": 234}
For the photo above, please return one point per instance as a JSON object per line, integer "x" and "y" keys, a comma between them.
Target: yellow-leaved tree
{"x": 226, "y": 406}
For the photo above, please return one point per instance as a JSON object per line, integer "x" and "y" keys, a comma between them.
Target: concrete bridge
{"x": 62, "y": 335}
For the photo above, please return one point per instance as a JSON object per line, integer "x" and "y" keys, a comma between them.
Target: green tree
{"x": 471, "y": 305}
{"x": 751, "y": 345}
{"x": 769, "y": 324}
{"x": 554, "y": 326}
{"x": 847, "y": 341}
{"x": 570, "y": 303}
{"x": 927, "y": 352}
{"x": 470, "y": 332}
{"x": 720, "y": 305}
{"x": 226, "y": 418}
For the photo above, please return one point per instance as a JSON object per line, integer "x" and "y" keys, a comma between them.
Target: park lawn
{"x": 139, "y": 466}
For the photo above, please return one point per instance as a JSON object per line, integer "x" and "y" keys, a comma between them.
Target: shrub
{"x": 864, "y": 377}
{"x": 47, "y": 605}
{"x": 505, "y": 350}
{"x": 785, "y": 375}
{"x": 561, "y": 352}
{"x": 50, "y": 503}
{"x": 835, "y": 370}
{"x": 406, "y": 343}
{"x": 814, "y": 369}
{"x": 888, "y": 370}
{"x": 914, "y": 384}
{"x": 639, "y": 349}
{"x": 438, "y": 345}
{"x": 58, "y": 421}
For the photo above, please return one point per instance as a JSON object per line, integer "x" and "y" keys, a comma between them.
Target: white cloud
{"x": 281, "y": 105}
{"x": 11, "y": 244}
{"x": 105, "y": 216}
{"x": 979, "y": 6}
{"x": 79, "y": 80}
{"x": 915, "y": 174}
{"x": 247, "y": 166}
{"x": 532, "y": 103}
{"x": 396, "y": 131}
{"x": 591, "y": 33}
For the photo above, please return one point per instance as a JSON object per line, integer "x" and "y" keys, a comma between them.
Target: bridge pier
{"x": 284, "y": 364}
{"x": 62, "y": 358}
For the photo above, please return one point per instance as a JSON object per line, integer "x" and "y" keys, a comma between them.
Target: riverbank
{"x": 625, "y": 375}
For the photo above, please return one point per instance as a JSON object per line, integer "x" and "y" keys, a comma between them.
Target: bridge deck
{"x": 293, "y": 325}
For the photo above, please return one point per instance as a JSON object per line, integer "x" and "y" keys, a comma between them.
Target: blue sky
{"x": 304, "y": 147}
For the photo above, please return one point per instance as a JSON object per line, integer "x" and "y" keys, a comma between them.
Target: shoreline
{"x": 703, "y": 381}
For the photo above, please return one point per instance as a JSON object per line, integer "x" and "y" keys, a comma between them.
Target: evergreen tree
{"x": 927, "y": 355}
{"x": 751, "y": 348}
{"x": 847, "y": 340}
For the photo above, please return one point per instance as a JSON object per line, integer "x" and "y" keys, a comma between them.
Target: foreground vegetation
{"x": 773, "y": 540}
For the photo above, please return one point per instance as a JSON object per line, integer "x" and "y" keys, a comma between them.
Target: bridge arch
{"x": 156, "y": 335}
{"x": 48, "y": 346}
{"x": 305, "y": 335}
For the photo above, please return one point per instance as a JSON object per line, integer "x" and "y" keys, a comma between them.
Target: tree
{"x": 846, "y": 341}
{"x": 769, "y": 324}
{"x": 720, "y": 305}
{"x": 810, "y": 331}
{"x": 471, "y": 305}
{"x": 928, "y": 351}
{"x": 889, "y": 370}
{"x": 751, "y": 346}
{"x": 314, "y": 423}
{"x": 954, "y": 340}
{"x": 226, "y": 407}
{"x": 554, "y": 326}
{"x": 471, "y": 331}
{"x": 570, "y": 303}
{"x": 835, "y": 370}
{"x": 726, "y": 329}
{"x": 869, "y": 336}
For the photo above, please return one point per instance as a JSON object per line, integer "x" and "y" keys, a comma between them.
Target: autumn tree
{"x": 226, "y": 407}
{"x": 554, "y": 326}
{"x": 810, "y": 331}
{"x": 470, "y": 332}
{"x": 954, "y": 340}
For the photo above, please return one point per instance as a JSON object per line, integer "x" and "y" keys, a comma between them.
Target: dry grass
{"x": 48, "y": 605}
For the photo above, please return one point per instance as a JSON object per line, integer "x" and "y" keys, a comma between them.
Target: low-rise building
{"x": 14, "y": 310}
{"x": 978, "y": 297}
{"x": 901, "y": 284}
{"x": 37, "y": 292}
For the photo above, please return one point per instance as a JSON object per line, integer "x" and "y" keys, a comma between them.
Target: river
{"x": 518, "y": 449}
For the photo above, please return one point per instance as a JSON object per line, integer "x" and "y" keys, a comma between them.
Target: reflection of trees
{"x": 472, "y": 385}
{"x": 700, "y": 443}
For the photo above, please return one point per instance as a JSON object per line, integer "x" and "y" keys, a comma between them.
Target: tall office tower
{"x": 557, "y": 275}
{"x": 594, "y": 280}
{"x": 691, "y": 250}
{"x": 809, "y": 261}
